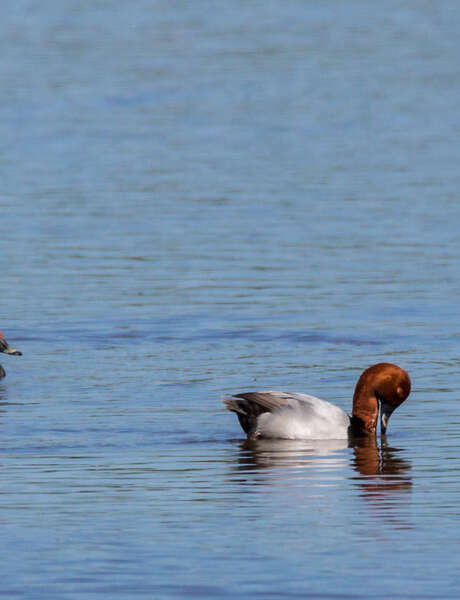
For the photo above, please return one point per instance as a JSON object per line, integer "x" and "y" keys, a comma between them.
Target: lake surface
{"x": 201, "y": 198}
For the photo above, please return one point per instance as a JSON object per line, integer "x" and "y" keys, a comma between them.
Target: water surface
{"x": 200, "y": 199}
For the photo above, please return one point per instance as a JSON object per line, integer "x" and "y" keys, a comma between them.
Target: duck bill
{"x": 7, "y": 349}
{"x": 385, "y": 414}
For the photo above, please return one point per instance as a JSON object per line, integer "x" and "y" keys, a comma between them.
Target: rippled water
{"x": 202, "y": 198}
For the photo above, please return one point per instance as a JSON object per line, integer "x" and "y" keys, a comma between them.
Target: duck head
{"x": 385, "y": 384}
{"x": 6, "y": 348}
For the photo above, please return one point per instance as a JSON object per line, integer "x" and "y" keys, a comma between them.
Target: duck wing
{"x": 287, "y": 415}
{"x": 249, "y": 406}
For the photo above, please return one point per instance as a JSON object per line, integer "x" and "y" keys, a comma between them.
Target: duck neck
{"x": 365, "y": 409}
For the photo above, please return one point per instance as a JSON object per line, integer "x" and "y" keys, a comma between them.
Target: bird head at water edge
{"x": 6, "y": 349}
{"x": 383, "y": 386}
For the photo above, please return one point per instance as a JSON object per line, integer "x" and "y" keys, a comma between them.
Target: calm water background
{"x": 202, "y": 197}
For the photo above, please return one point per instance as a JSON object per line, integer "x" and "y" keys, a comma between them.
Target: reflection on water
{"x": 3, "y": 398}
{"x": 368, "y": 459}
{"x": 384, "y": 478}
{"x": 293, "y": 454}
{"x": 372, "y": 460}
{"x": 382, "y": 475}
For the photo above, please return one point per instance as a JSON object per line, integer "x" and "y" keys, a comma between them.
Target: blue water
{"x": 200, "y": 198}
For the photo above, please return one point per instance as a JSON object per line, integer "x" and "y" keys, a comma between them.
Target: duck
{"x": 290, "y": 415}
{"x": 7, "y": 349}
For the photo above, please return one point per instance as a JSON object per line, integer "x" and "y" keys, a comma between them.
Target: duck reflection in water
{"x": 291, "y": 454}
{"x": 384, "y": 474}
{"x": 381, "y": 474}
